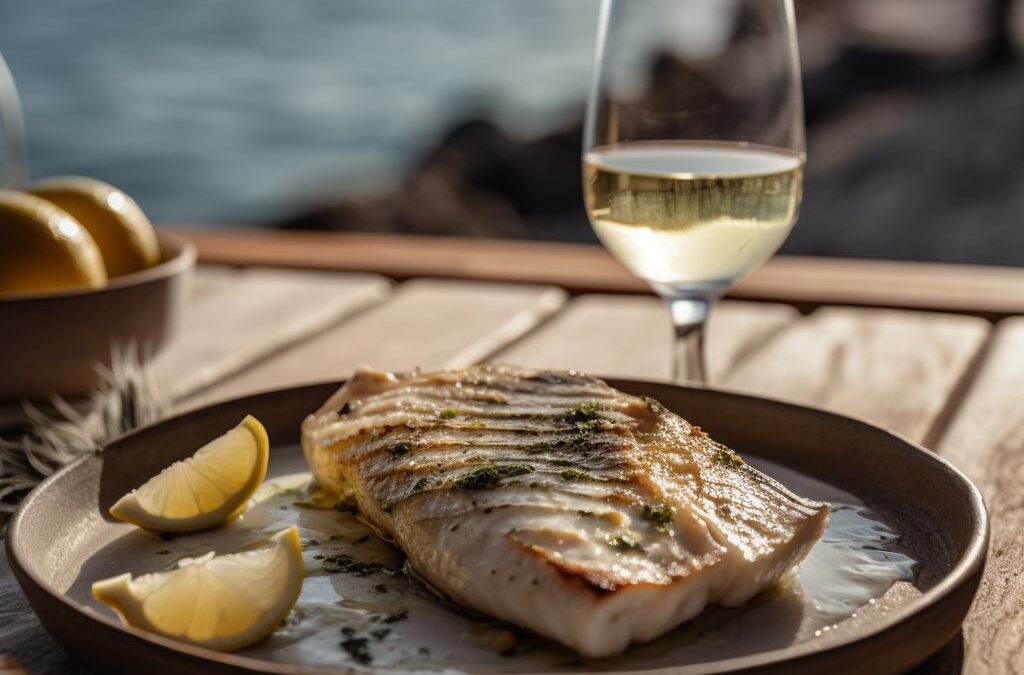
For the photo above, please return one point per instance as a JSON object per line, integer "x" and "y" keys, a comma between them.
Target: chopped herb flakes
{"x": 490, "y": 476}
{"x": 584, "y": 417}
{"x": 727, "y": 458}
{"x": 622, "y": 542}
{"x": 582, "y": 412}
{"x": 395, "y": 618}
{"x": 575, "y": 474}
{"x": 477, "y": 424}
{"x": 358, "y": 649}
{"x": 380, "y": 633}
{"x": 447, "y": 413}
{"x": 659, "y": 514}
{"x": 334, "y": 564}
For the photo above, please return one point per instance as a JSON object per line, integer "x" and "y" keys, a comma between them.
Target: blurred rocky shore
{"x": 915, "y": 120}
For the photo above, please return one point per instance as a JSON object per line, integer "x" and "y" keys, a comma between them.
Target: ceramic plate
{"x": 888, "y": 585}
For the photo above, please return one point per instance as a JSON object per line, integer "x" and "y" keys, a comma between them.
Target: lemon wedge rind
{"x": 212, "y": 486}
{"x": 225, "y": 602}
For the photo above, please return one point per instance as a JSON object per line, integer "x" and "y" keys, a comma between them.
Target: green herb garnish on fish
{"x": 489, "y": 476}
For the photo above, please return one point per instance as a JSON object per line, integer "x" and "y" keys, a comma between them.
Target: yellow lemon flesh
{"x": 224, "y": 602}
{"x": 43, "y": 248}
{"x": 121, "y": 230}
{"x": 208, "y": 488}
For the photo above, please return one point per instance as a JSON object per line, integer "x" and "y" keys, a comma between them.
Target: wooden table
{"x": 951, "y": 381}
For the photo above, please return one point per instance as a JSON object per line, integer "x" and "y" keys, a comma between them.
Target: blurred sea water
{"x": 232, "y": 112}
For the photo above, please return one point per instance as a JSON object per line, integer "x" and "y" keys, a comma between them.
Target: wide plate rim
{"x": 970, "y": 564}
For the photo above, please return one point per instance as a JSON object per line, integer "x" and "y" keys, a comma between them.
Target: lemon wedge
{"x": 121, "y": 230}
{"x": 43, "y": 248}
{"x": 223, "y": 602}
{"x": 208, "y": 488}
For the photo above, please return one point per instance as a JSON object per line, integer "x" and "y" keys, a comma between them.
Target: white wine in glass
{"x": 696, "y": 181}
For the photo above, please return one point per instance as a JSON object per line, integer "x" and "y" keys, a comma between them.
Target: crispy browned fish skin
{"x": 555, "y": 502}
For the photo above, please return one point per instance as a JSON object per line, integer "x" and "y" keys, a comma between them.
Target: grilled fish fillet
{"x": 553, "y": 501}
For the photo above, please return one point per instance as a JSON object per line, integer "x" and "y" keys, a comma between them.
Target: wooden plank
{"x": 897, "y": 369}
{"x": 211, "y": 279}
{"x": 427, "y": 323}
{"x": 985, "y": 439}
{"x": 246, "y": 315}
{"x": 991, "y": 292}
{"x": 631, "y": 336}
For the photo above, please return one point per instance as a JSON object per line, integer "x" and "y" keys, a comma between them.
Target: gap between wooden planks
{"x": 986, "y": 291}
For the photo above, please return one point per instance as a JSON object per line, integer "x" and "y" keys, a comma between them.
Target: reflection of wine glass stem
{"x": 12, "y": 127}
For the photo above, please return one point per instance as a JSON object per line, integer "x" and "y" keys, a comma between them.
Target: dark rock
{"x": 910, "y": 156}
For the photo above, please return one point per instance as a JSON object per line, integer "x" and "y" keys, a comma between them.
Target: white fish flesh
{"x": 555, "y": 502}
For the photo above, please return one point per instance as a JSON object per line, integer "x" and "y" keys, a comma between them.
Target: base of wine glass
{"x": 708, "y": 291}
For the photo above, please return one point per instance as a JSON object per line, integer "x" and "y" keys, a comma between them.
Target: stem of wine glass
{"x": 688, "y": 317}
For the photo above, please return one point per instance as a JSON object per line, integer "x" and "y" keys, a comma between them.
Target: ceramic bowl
{"x": 52, "y": 342}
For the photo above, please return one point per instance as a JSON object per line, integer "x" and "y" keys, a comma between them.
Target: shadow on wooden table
{"x": 947, "y": 661}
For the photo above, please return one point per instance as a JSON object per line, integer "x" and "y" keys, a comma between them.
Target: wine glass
{"x": 12, "y": 132}
{"x": 693, "y": 148}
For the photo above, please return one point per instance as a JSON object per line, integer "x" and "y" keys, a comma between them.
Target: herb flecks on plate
{"x": 334, "y": 564}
